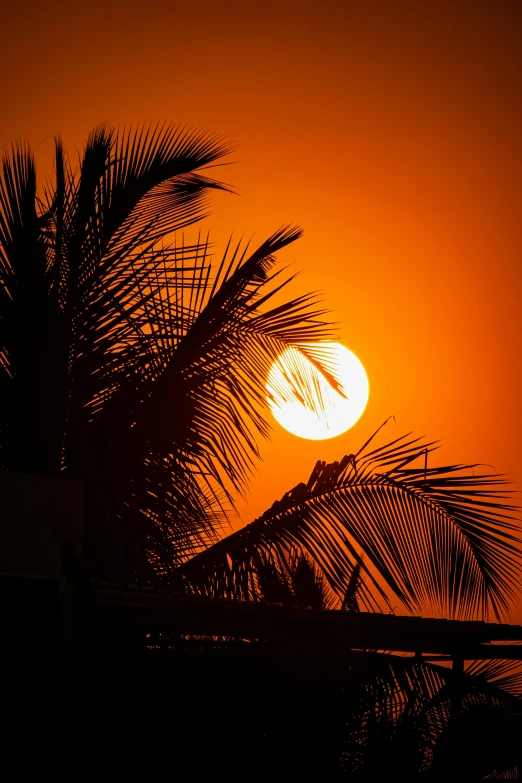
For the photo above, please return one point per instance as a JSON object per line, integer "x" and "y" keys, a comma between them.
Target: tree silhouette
{"x": 404, "y": 719}
{"x": 381, "y": 530}
{"x": 128, "y": 359}
{"x": 133, "y": 362}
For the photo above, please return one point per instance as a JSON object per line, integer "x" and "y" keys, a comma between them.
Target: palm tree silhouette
{"x": 403, "y": 718}
{"x": 381, "y": 530}
{"x": 130, "y": 361}
{"x": 435, "y": 539}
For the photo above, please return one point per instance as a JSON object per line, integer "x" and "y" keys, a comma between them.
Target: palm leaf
{"x": 505, "y": 674}
{"x": 437, "y": 539}
{"x": 190, "y": 389}
{"x": 158, "y": 358}
{"x": 149, "y": 187}
{"x": 353, "y": 588}
{"x": 410, "y": 717}
{"x": 31, "y": 328}
{"x": 133, "y": 188}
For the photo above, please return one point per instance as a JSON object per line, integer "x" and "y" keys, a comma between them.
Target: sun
{"x": 304, "y": 402}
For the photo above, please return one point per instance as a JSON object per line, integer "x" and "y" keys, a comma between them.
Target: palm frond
{"x": 159, "y": 359}
{"x": 437, "y": 539}
{"x": 353, "y": 588}
{"x": 223, "y": 390}
{"x": 149, "y": 188}
{"x": 419, "y": 718}
{"x": 21, "y": 260}
{"x": 21, "y": 263}
{"x": 31, "y": 342}
{"x": 170, "y": 365}
{"x": 505, "y": 674}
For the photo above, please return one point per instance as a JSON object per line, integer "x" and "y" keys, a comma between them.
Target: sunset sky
{"x": 390, "y": 130}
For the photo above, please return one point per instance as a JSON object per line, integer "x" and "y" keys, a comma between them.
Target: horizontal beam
{"x": 296, "y": 625}
{"x": 481, "y": 652}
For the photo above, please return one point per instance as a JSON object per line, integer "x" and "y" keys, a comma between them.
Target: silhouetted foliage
{"x": 411, "y": 721}
{"x": 133, "y": 362}
{"x": 128, "y": 359}
{"x": 432, "y": 539}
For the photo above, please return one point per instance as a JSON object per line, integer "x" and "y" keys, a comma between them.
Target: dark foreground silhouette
{"x": 134, "y": 366}
{"x": 113, "y": 680}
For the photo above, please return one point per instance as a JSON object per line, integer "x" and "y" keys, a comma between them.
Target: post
{"x": 67, "y": 595}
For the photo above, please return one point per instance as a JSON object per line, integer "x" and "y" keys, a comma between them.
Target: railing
{"x": 160, "y": 611}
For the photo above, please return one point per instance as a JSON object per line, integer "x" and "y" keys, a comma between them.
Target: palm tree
{"x": 131, "y": 361}
{"x": 437, "y": 539}
{"x": 403, "y": 719}
{"x": 381, "y": 530}
{"x": 128, "y": 359}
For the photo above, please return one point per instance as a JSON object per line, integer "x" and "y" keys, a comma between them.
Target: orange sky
{"x": 390, "y": 130}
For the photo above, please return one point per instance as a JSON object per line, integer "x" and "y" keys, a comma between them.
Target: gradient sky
{"x": 389, "y": 130}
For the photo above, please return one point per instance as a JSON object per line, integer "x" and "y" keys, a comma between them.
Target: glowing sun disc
{"x": 304, "y": 403}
